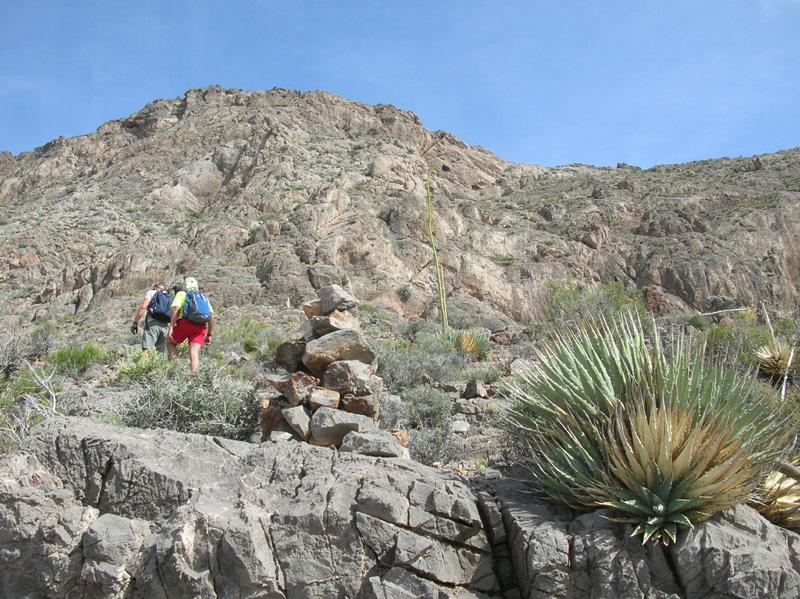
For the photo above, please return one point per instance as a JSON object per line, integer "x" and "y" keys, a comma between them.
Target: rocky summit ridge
{"x": 265, "y": 196}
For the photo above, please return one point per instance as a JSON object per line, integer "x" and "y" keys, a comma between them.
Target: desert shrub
{"x": 75, "y": 360}
{"x": 424, "y": 413}
{"x": 736, "y": 344}
{"x": 700, "y": 322}
{"x": 140, "y": 367}
{"x": 488, "y": 375}
{"x": 18, "y": 349}
{"x": 420, "y": 355}
{"x": 570, "y": 307}
{"x": 666, "y": 437}
{"x": 27, "y": 397}
{"x": 256, "y": 338}
{"x": 214, "y": 403}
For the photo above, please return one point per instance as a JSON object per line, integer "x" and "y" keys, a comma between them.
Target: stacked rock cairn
{"x": 330, "y": 395}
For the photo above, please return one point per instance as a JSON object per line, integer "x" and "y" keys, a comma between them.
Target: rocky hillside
{"x": 266, "y": 196}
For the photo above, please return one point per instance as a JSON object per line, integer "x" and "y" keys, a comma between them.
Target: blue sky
{"x": 551, "y": 82}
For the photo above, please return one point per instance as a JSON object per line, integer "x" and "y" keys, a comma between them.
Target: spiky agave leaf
{"x": 662, "y": 434}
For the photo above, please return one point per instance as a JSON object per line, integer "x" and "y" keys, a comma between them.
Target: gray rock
{"x": 382, "y": 444}
{"x": 299, "y": 418}
{"x": 270, "y": 520}
{"x": 347, "y": 344}
{"x": 110, "y": 549}
{"x": 460, "y": 426}
{"x": 739, "y": 554}
{"x": 475, "y": 388}
{"x": 333, "y": 297}
{"x": 329, "y": 426}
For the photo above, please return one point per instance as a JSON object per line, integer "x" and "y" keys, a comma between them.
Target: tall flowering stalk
{"x": 439, "y": 278}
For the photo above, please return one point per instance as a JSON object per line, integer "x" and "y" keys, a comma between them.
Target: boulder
{"x": 351, "y": 376}
{"x": 323, "y": 398}
{"x": 300, "y": 388}
{"x": 299, "y": 418}
{"x": 366, "y": 405}
{"x": 313, "y": 308}
{"x": 335, "y": 321}
{"x": 289, "y": 355}
{"x": 333, "y": 297}
{"x": 329, "y": 426}
{"x": 347, "y": 344}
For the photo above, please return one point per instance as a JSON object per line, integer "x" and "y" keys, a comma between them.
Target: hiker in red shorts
{"x": 182, "y": 328}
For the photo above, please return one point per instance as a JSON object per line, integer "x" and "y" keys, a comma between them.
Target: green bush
{"x": 245, "y": 335}
{"x": 700, "y": 322}
{"x": 74, "y": 361}
{"x": 141, "y": 367}
{"x": 665, "y": 436}
{"x": 488, "y": 375}
{"x": 570, "y": 307}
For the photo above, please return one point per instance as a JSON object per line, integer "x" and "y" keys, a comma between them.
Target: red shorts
{"x": 186, "y": 329}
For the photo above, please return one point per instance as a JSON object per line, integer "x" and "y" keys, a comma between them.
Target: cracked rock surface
{"x": 90, "y": 510}
{"x": 108, "y": 512}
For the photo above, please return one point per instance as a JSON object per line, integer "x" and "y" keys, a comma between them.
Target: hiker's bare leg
{"x": 172, "y": 348}
{"x": 194, "y": 357}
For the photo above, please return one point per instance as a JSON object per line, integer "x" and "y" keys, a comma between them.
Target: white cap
{"x": 191, "y": 283}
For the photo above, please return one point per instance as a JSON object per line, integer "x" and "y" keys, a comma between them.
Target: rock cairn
{"x": 330, "y": 388}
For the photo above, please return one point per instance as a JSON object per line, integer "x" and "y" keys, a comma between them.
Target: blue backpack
{"x": 196, "y": 308}
{"x": 159, "y": 307}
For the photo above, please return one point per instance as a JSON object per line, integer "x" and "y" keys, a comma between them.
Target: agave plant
{"x": 474, "y": 344}
{"x": 470, "y": 342}
{"x": 662, "y": 435}
{"x": 776, "y": 358}
{"x": 779, "y": 495}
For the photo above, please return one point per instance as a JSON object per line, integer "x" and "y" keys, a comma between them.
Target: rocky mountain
{"x": 268, "y": 198}
{"x": 265, "y": 196}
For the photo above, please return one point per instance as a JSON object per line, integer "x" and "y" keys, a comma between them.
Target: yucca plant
{"x": 662, "y": 435}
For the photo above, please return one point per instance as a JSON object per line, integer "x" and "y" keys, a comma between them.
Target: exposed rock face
{"x": 91, "y": 511}
{"x": 108, "y": 512}
{"x": 735, "y": 554}
{"x": 266, "y": 197}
